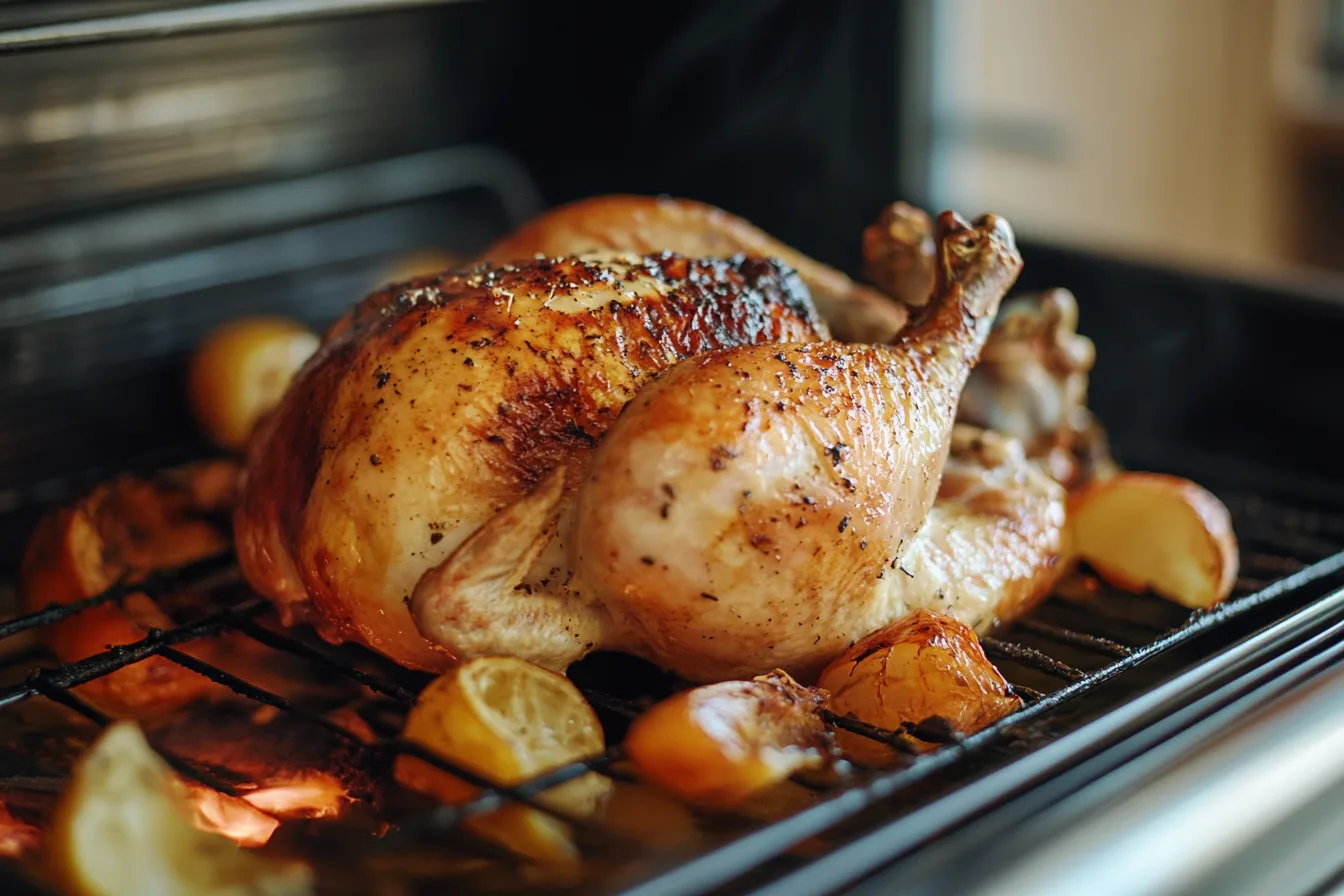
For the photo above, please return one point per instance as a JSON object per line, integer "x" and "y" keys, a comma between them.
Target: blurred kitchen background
{"x": 1208, "y": 131}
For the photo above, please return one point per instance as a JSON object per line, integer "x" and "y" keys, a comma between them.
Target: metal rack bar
{"x": 158, "y": 582}
{"x": 55, "y": 684}
{"x": 177, "y": 763}
{"x": 718, "y": 867}
{"x": 1062, "y": 635}
{"x": 1031, "y": 658}
{"x": 1309, "y": 640}
{"x": 294, "y": 647}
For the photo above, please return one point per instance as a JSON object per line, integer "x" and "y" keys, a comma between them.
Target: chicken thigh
{"x": 765, "y": 506}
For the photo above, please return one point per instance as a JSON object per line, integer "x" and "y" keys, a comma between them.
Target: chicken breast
{"x": 435, "y": 404}
{"x": 649, "y": 225}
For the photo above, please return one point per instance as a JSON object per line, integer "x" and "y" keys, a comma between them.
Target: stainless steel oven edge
{"x": 1256, "y": 808}
{"x": 1234, "y": 789}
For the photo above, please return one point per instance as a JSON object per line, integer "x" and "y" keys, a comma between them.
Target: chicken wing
{"x": 649, "y": 225}
{"x": 434, "y": 404}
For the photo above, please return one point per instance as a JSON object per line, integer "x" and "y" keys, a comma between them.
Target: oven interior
{"x": 1230, "y": 383}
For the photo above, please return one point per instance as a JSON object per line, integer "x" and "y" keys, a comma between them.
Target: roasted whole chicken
{"x": 647, "y": 453}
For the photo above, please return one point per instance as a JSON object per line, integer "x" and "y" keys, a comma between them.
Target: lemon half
{"x": 508, "y": 721}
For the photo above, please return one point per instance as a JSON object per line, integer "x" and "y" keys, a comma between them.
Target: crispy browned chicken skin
{"x": 768, "y": 505}
{"x": 650, "y": 225}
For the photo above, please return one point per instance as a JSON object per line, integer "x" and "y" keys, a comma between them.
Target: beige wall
{"x": 1147, "y": 127}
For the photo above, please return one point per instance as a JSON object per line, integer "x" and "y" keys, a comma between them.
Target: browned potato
{"x": 924, "y": 666}
{"x": 123, "y": 825}
{"x": 240, "y": 372}
{"x": 126, "y": 528}
{"x": 720, "y": 744}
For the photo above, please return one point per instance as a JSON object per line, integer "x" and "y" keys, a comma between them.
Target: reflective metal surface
{"x": 185, "y": 18}
{"x": 1258, "y": 808}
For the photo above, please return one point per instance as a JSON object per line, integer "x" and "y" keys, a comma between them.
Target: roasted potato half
{"x": 123, "y": 826}
{"x": 721, "y": 744}
{"x": 927, "y": 665}
{"x": 1148, "y": 531}
{"x": 508, "y": 721}
{"x": 240, "y": 372}
{"x": 123, "y": 530}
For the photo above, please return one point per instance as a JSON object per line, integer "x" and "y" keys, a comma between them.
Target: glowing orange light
{"x": 236, "y": 819}
{"x": 306, "y": 795}
{"x": 16, "y": 837}
{"x": 251, "y": 820}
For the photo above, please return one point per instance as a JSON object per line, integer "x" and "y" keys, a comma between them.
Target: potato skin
{"x": 721, "y": 744}
{"x": 923, "y": 666}
{"x": 126, "y": 528}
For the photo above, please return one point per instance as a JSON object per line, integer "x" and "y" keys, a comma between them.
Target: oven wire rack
{"x": 1283, "y": 550}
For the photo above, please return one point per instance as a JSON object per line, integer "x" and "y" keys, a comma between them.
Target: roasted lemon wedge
{"x": 508, "y": 721}
{"x": 123, "y": 826}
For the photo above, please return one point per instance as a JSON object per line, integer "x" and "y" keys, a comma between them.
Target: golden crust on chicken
{"x": 650, "y": 225}
{"x": 751, "y": 507}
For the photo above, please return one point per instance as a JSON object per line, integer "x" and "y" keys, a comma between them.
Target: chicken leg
{"x": 748, "y": 506}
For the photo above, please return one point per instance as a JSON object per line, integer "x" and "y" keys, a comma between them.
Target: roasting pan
{"x": 1160, "y": 751}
